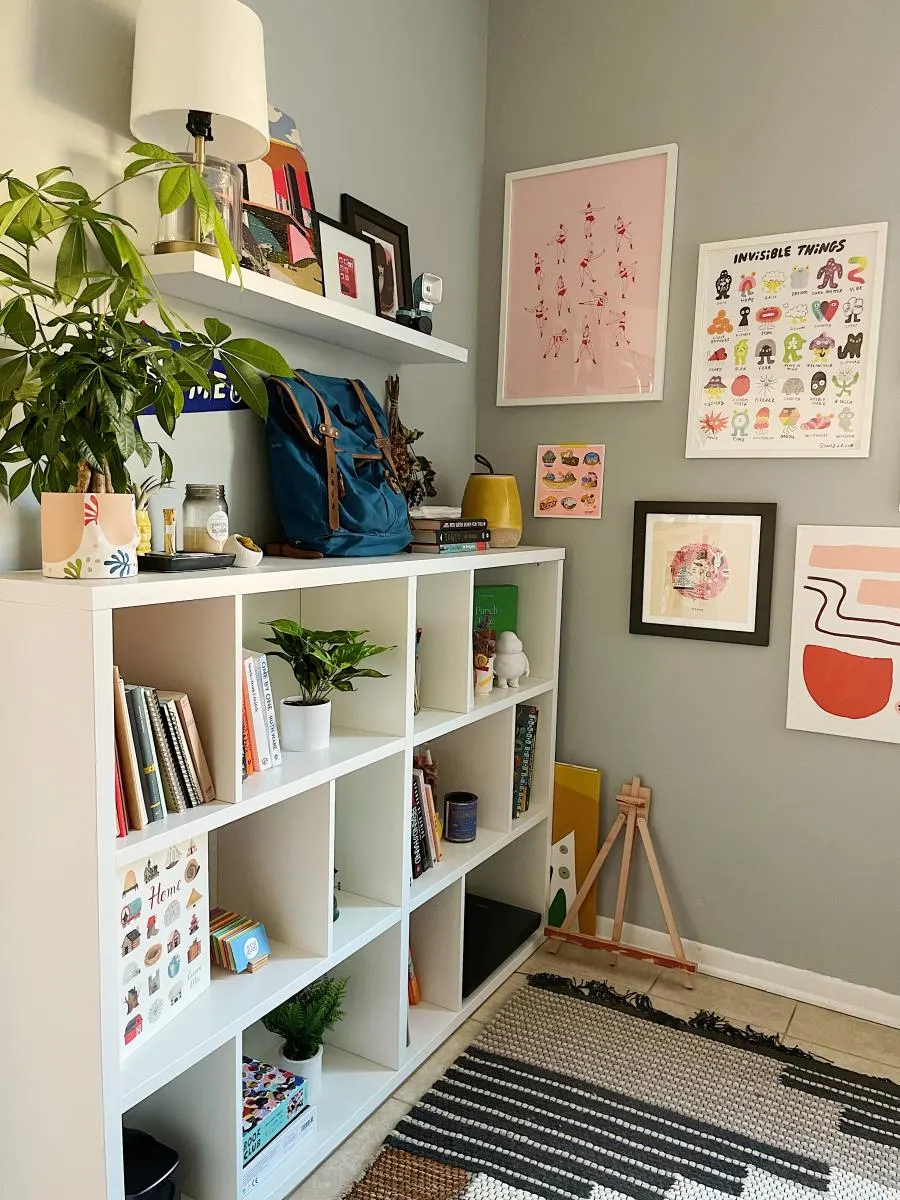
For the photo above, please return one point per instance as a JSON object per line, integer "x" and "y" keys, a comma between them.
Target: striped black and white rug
{"x": 577, "y": 1093}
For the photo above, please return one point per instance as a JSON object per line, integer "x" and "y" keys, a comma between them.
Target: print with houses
{"x": 164, "y": 931}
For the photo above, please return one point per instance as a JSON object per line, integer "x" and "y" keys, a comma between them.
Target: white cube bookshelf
{"x": 275, "y": 842}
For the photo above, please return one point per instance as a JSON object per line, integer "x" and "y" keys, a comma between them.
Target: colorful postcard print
{"x": 568, "y": 481}
{"x": 586, "y": 254}
{"x": 845, "y": 634}
{"x": 786, "y": 344}
{"x": 164, "y": 932}
{"x": 703, "y": 570}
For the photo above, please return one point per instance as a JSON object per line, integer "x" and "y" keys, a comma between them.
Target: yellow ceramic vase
{"x": 145, "y": 530}
{"x": 496, "y": 498}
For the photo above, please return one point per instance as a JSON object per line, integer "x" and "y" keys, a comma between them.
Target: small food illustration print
{"x": 562, "y": 487}
{"x": 785, "y": 345}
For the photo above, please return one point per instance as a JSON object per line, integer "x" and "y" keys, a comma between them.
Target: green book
{"x": 501, "y": 602}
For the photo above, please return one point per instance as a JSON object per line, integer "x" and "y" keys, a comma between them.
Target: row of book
{"x": 449, "y": 535}
{"x": 523, "y": 757}
{"x": 277, "y": 1119}
{"x": 425, "y": 840}
{"x": 261, "y": 749}
{"x": 160, "y": 766}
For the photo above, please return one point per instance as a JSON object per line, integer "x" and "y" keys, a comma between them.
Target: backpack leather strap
{"x": 329, "y": 435}
{"x": 382, "y": 441}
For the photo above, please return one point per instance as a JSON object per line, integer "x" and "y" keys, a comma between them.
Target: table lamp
{"x": 200, "y": 72}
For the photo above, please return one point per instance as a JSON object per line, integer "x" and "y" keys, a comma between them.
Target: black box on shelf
{"x": 492, "y": 932}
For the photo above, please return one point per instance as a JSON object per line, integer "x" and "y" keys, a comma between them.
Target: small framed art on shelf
{"x": 392, "y": 262}
{"x": 703, "y": 570}
{"x": 348, "y": 265}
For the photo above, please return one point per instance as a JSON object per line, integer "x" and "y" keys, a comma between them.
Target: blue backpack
{"x": 336, "y": 489}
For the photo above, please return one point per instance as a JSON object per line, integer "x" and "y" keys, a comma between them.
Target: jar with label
{"x": 204, "y": 517}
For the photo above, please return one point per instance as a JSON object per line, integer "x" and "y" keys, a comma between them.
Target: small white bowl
{"x": 242, "y": 556}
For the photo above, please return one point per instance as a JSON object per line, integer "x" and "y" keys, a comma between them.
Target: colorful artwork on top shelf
{"x": 279, "y": 228}
{"x": 164, "y": 919}
{"x": 845, "y": 633}
{"x": 586, "y": 254}
{"x": 786, "y": 343}
{"x": 568, "y": 480}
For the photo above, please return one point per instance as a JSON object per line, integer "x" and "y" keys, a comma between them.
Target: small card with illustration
{"x": 568, "y": 480}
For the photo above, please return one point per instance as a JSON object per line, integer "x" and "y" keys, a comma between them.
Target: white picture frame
{"x": 758, "y": 389}
{"x": 348, "y": 265}
{"x": 634, "y": 192}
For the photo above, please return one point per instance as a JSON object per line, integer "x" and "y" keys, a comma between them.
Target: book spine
{"x": 192, "y": 735}
{"x": 147, "y": 761}
{"x": 172, "y": 790}
{"x": 451, "y": 537}
{"x": 183, "y": 752}
{"x": 459, "y": 548}
{"x": 531, "y": 744}
{"x": 277, "y": 1151}
{"x": 257, "y": 717}
{"x": 121, "y": 826}
{"x": 413, "y": 991}
{"x": 427, "y": 827}
{"x": 450, "y": 523}
{"x": 131, "y": 775}
{"x": 435, "y": 823}
{"x": 269, "y": 709}
{"x": 415, "y": 843}
{"x": 250, "y": 766}
{"x": 518, "y": 761}
{"x": 419, "y": 815}
{"x": 171, "y": 729}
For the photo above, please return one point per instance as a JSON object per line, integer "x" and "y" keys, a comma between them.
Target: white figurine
{"x": 510, "y": 662}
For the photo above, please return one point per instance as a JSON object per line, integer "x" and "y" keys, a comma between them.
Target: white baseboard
{"x": 853, "y": 998}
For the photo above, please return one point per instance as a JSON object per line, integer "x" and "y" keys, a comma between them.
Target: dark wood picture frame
{"x": 321, "y": 219}
{"x": 360, "y": 218}
{"x": 767, "y": 513}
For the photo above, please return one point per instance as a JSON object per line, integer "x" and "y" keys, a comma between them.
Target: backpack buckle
{"x": 328, "y": 430}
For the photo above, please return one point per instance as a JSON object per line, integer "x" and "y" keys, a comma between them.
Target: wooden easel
{"x": 634, "y": 811}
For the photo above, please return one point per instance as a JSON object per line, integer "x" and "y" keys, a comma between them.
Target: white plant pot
{"x": 88, "y": 535}
{"x": 309, "y": 1069}
{"x": 305, "y": 727}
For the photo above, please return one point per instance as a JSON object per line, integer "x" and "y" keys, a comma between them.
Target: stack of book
{"x": 237, "y": 943}
{"x": 277, "y": 1118}
{"x": 425, "y": 848}
{"x": 261, "y": 749}
{"x": 160, "y": 766}
{"x": 523, "y": 760}
{"x": 449, "y": 535}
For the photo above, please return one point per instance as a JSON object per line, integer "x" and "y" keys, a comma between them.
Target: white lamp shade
{"x": 206, "y": 55}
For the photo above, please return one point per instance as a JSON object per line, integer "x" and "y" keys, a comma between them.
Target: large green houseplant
{"x": 90, "y": 345}
{"x": 302, "y": 1022}
{"x": 323, "y": 661}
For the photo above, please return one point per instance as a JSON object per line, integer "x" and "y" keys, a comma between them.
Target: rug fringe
{"x": 704, "y": 1023}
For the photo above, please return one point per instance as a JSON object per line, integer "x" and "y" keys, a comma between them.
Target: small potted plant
{"x": 90, "y": 347}
{"x": 302, "y": 1022}
{"x": 323, "y": 661}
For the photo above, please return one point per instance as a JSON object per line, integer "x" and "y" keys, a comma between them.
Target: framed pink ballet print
{"x": 587, "y": 248}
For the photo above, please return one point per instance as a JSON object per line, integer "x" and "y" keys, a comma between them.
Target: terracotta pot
{"x": 496, "y": 498}
{"x": 88, "y": 535}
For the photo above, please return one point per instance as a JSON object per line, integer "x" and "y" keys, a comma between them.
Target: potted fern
{"x": 302, "y": 1023}
{"x": 88, "y": 346}
{"x": 323, "y": 661}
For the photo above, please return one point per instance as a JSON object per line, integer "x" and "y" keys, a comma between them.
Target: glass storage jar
{"x": 204, "y": 517}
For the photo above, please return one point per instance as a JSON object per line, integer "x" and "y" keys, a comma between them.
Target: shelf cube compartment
{"x": 277, "y": 865}
{"x": 518, "y": 874}
{"x": 370, "y": 819}
{"x": 539, "y": 603}
{"x": 383, "y": 608}
{"x": 479, "y": 758}
{"x": 190, "y": 646}
{"x": 435, "y": 948}
{"x": 197, "y": 1114}
{"x": 444, "y": 614}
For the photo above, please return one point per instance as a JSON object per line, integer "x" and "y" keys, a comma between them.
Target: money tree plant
{"x": 89, "y": 344}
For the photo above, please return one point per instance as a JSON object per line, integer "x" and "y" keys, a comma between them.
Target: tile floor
{"x": 847, "y": 1041}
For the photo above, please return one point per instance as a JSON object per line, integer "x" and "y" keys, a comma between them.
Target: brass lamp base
{"x": 177, "y": 247}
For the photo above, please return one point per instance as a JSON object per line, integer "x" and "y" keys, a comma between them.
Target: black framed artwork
{"x": 703, "y": 570}
{"x": 392, "y": 265}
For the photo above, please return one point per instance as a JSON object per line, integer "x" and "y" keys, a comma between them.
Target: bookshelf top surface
{"x": 272, "y": 575}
